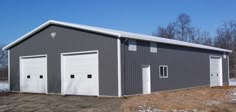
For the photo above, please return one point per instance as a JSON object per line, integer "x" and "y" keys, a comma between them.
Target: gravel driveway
{"x": 16, "y": 102}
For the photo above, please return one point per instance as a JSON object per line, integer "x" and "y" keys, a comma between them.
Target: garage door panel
{"x": 84, "y": 68}
{"x": 33, "y": 74}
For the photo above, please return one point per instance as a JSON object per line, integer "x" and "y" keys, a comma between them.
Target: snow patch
{"x": 4, "y": 86}
{"x": 232, "y": 82}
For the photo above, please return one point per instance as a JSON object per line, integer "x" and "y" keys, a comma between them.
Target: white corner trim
{"x": 9, "y": 70}
{"x": 62, "y": 74}
{"x": 119, "y": 66}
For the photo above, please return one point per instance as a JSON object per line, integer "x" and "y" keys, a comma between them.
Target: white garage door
{"x": 215, "y": 71}
{"x": 80, "y": 74}
{"x": 33, "y": 74}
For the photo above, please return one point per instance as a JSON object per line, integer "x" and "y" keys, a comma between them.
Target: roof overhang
{"x": 116, "y": 34}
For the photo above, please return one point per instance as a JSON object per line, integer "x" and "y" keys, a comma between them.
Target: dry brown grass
{"x": 204, "y": 99}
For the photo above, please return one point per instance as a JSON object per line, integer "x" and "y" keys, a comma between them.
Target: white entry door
{"x": 80, "y": 73}
{"x": 215, "y": 71}
{"x": 33, "y": 74}
{"x": 146, "y": 79}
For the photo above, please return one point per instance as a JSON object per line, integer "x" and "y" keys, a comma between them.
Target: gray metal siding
{"x": 188, "y": 67}
{"x": 225, "y": 69}
{"x": 68, "y": 40}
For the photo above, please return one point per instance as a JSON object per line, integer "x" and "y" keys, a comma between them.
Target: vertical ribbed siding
{"x": 225, "y": 69}
{"x": 187, "y": 67}
{"x": 68, "y": 40}
{"x": 133, "y": 67}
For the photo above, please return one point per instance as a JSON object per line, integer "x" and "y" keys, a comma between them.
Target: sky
{"x": 19, "y": 17}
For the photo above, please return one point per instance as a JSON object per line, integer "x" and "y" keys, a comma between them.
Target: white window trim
{"x": 163, "y": 71}
{"x": 132, "y": 45}
{"x": 153, "y": 47}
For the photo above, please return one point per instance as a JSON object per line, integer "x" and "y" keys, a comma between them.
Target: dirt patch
{"x": 56, "y": 103}
{"x": 218, "y": 99}
{"x": 189, "y": 100}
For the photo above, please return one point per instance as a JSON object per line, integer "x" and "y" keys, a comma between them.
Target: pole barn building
{"x": 72, "y": 59}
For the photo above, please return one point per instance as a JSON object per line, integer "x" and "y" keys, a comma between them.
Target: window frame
{"x": 167, "y": 74}
{"x": 132, "y": 45}
{"x": 153, "y": 47}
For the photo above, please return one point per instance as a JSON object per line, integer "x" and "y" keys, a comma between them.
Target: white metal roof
{"x": 117, "y": 34}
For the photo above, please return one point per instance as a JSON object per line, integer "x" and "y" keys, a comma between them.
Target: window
{"x": 132, "y": 45}
{"x": 89, "y": 76}
{"x": 72, "y": 76}
{"x": 28, "y": 76}
{"x": 40, "y": 76}
{"x": 153, "y": 47}
{"x": 163, "y": 71}
{"x": 224, "y": 55}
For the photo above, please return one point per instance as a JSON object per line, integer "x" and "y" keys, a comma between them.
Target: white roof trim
{"x": 117, "y": 34}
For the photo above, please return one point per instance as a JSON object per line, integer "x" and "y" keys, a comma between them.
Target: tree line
{"x": 181, "y": 29}
{"x": 3, "y": 58}
{"x": 3, "y": 64}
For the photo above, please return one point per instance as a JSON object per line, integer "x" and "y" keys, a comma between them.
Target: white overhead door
{"x": 215, "y": 71}
{"x": 80, "y": 73}
{"x": 33, "y": 74}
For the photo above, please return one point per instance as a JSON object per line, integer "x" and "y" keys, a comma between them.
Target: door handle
{"x": 216, "y": 74}
{"x": 211, "y": 74}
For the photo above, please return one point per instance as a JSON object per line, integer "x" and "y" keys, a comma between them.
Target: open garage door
{"x": 33, "y": 74}
{"x": 216, "y": 78}
{"x": 80, "y": 73}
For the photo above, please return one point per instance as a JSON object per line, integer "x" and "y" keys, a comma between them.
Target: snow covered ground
{"x": 4, "y": 86}
{"x": 232, "y": 82}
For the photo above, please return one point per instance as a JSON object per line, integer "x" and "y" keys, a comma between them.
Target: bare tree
{"x": 193, "y": 35}
{"x": 226, "y": 38}
{"x": 182, "y": 30}
{"x": 183, "y": 26}
{"x": 206, "y": 39}
{"x": 3, "y": 58}
{"x": 3, "y": 64}
{"x": 202, "y": 38}
{"x": 166, "y": 32}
